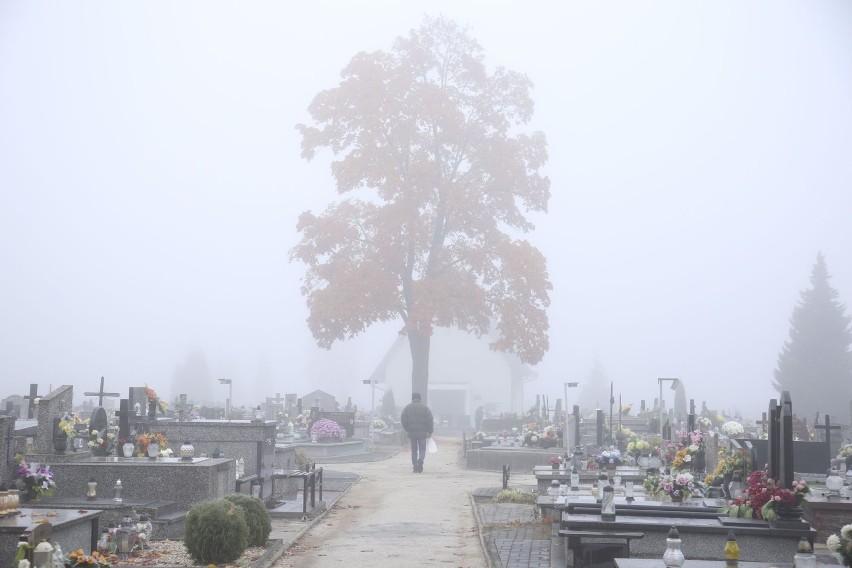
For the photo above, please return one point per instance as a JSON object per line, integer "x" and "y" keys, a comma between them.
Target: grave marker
{"x": 32, "y": 398}
{"x": 274, "y": 406}
{"x": 599, "y": 427}
{"x": 101, "y": 394}
{"x": 785, "y": 453}
{"x": 51, "y": 406}
{"x": 182, "y": 408}
{"x": 773, "y": 438}
{"x": 346, "y": 420}
{"x": 124, "y": 415}
{"x": 827, "y": 427}
{"x": 98, "y": 420}
{"x": 690, "y": 418}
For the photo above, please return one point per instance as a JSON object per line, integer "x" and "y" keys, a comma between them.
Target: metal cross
{"x": 101, "y": 394}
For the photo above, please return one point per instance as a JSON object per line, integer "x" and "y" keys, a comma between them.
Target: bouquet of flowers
{"x": 609, "y": 458}
{"x": 301, "y": 421}
{"x": 845, "y": 452}
{"x": 327, "y": 429}
{"x": 680, "y": 484}
{"x": 379, "y": 424}
{"x": 69, "y": 423}
{"x": 555, "y": 460}
{"x": 94, "y": 560}
{"x": 735, "y": 463}
{"x": 762, "y": 496}
{"x": 151, "y": 394}
{"x": 732, "y": 428}
{"x": 37, "y": 478}
{"x": 842, "y": 545}
{"x": 704, "y": 423}
{"x": 103, "y": 440}
{"x": 638, "y": 446}
{"x": 144, "y": 440}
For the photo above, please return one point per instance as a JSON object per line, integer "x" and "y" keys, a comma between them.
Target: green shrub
{"x": 515, "y": 496}
{"x": 216, "y": 532}
{"x": 257, "y": 518}
{"x": 303, "y": 460}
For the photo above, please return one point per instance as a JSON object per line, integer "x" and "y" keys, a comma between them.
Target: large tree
{"x": 436, "y": 180}
{"x": 815, "y": 364}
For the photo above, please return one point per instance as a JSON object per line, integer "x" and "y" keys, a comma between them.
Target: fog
{"x": 151, "y": 178}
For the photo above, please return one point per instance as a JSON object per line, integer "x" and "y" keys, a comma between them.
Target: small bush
{"x": 216, "y": 532}
{"x": 257, "y": 518}
{"x": 303, "y": 460}
{"x": 515, "y": 496}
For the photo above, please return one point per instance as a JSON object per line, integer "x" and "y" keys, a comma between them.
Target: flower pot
{"x": 555, "y": 466}
{"x": 677, "y": 498}
{"x": 788, "y": 513}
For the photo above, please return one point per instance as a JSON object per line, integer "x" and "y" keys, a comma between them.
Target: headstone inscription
{"x": 101, "y": 394}
{"x": 31, "y": 398}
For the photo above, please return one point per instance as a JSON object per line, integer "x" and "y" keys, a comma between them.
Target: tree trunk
{"x": 419, "y": 346}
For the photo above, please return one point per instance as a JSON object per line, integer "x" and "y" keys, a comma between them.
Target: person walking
{"x": 417, "y": 420}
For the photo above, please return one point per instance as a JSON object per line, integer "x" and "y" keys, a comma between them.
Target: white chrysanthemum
{"x": 846, "y": 532}
{"x": 687, "y": 458}
{"x": 833, "y": 543}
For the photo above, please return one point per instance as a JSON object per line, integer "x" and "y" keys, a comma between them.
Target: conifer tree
{"x": 815, "y": 364}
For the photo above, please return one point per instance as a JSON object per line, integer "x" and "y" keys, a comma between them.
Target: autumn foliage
{"x": 436, "y": 180}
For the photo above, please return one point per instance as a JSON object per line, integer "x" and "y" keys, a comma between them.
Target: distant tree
{"x": 815, "y": 364}
{"x": 193, "y": 378}
{"x": 388, "y": 404}
{"x": 594, "y": 392}
{"x": 437, "y": 183}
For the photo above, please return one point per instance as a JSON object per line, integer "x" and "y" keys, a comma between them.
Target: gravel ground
{"x": 173, "y": 553}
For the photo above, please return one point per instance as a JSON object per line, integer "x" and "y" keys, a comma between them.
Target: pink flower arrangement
{"x": 325, "y": 429}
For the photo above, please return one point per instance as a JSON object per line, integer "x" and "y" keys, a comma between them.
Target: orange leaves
{"x": 439, "y": 180}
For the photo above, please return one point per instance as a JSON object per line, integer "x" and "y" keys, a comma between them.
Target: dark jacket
{"x": 417, "y": 420}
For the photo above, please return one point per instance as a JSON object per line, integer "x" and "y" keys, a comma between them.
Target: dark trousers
{"x": 418, "y": 449}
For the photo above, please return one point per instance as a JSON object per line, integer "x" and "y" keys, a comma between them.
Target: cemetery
{"x": 112, "y": 478}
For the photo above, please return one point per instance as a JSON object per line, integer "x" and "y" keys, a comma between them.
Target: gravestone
{"x": 345, "y": 420}
{"x": 101, "y": 394}
{"x": 139, "y": 395}
{"x": 773, "y": 438}
{"x": 599, "y": 428}
{"x": 826, "y": 428}
{"x": 126, "y": 419}
{"x": 290, "y": 404}
{"x": 690, "y": 418}
{"x": 98, "y": 420}
{"x": 7, "y": 449}
{"x": 51, "y": 406}
{"x": 31, "y": 399}
{"x": 183, "y": 408}
{"x": 274, "y": 406}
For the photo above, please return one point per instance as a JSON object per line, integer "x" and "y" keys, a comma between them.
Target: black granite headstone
{"x": 98, "y": 420}
{"x": 773, "y": 445}
{"x": 125, "y": 415}
{"x": 785, "y": 453}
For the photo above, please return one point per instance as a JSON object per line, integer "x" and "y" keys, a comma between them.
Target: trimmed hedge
{"x": 257, "y": 517}
{"x": 216, "y": 532}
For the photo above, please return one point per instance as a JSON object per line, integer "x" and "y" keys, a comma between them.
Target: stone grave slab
{"x": 71, "y": 529}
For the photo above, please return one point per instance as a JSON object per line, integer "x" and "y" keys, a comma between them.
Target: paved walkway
{"x": 389, "y": 516}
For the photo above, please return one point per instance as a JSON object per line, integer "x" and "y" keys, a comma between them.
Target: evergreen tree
{"x": 815, "y": 364}
{"x": 388, "y": 404}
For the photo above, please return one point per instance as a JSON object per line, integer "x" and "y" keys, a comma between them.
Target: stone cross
{"x": 101, "y": 394}
{"x": 828, "y": 427}
{"x": 764, "y": 423}
{"x": 32, "y": 398}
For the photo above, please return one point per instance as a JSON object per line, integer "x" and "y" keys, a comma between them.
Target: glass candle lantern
{"x": 92, "y": 489}
{"x": 575, "y": 480}
{"x": 43, "y": 555}
{"x": 103, "y": 542}
{"x": 834, "y": 483}
{"x": 673, "y": 556}
{"x": 118, "y": 488}
{"x": 187, "y": 450}
{"x": 603, "y": 481}
{"x": 731, "y": 550}
{"x": 608, "y": 504}
{"x": 628, "y": 491}
{"x": 804, "y": 557}
{"x": 153, "y": 449}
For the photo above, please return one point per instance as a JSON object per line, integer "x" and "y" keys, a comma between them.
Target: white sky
{"x": 150, "y": 181}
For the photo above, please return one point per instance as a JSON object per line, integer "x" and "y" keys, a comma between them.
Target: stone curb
{"x": 480, "y": 532}
{"x": 271, "y": 557}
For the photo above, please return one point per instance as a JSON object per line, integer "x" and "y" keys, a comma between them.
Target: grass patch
{"x": 515, "y": 496}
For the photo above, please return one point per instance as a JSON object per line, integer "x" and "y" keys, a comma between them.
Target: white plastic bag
{"x": 431, "y": 446}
